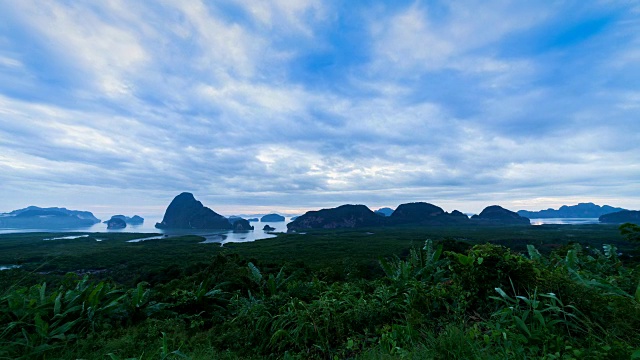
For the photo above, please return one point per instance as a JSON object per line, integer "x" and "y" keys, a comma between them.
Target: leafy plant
{"x": 38, "y": 321}
{"x": 422, "y": 265}
{"x": 488, "y": 302}
{"x": 539, "y": 317}
{"x": 630, "y": 231}
{"x": 271, "y": 284}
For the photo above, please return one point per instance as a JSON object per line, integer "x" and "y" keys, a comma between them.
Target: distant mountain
{"x": 41, "y": 213}
{"x": 135, "y": 220}
{"x": 582, "y": 210}
{"x": 620, "y": 217}
{"x": 185, "y": 212}
{"x": 272, "y": 218}
{"x": 358, "y": 216}
{"x": 497, "y": 215}
{"x": 85, "y": 215}
{"x": 345, "y": 216}
{"x": 34, "y": 217}
{"x": 385, "y": 211}
{"x": 422, "y": 213}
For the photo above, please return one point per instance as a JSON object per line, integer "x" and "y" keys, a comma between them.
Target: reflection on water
{"x": 248, "y": 236}
{"x": 147, "y": 238}
{"x": 225, "y": 236}
{"x": 215, "y": 239}
{"x": 9, "y": 267}
{"x": 211, "y": 236}
{"x": 565, "y": 221}
{"x": 67, "y": 237}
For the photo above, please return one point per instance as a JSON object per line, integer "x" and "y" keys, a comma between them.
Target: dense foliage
{"x": 440, "y": 300}
{"x": 630, "y": 231}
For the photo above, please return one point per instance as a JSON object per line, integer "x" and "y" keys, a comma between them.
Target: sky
{"x": 117, "y": 106}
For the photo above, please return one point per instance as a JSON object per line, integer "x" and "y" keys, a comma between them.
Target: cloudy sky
{"x": 117, "y": 106}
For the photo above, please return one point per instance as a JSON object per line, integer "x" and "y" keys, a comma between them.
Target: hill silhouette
{"x": 620, "y": 217}
{"x": 34, "y": 217}
{"x": 185, "y": 212}
{"x": 581, "y": 210}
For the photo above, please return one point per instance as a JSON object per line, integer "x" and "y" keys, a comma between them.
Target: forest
{"x": 541, "y": 292}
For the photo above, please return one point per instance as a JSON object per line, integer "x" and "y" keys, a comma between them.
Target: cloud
{"x": 454, "y": 36}
{"x": 312, "y": 104}
{"x": 107, "y": 52}
{"x": 8, "y": 62}
{"x": 283, "y": 15}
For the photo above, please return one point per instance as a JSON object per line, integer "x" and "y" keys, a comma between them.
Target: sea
{"x": 225, "y": 236}
{"x": 148, "y": 227}
{"x": 565, "y": 221}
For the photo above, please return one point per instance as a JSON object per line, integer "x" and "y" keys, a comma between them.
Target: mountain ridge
{"x": 416, "y": 214}
{"x": 581, "y": 210}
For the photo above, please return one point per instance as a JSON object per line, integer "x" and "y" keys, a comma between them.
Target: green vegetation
{"x": 557, "y": 292}
{"x": 630, "y": 231}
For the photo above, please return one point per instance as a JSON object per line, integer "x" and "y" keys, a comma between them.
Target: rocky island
{"x": 411, "y": 214}
{"x": 497, "y": 215}
{"x": 272, "y": 218}
{"x": 134, "y": 220}
{"x": 34, "y": 217}
{"x": 116, "y": 223}
{"x": 422, "y": 213}
{"x": 185, "y": 212}
{"x": 345, "y": 216}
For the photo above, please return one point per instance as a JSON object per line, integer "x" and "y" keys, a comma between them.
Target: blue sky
{"x": 256, "y": 106}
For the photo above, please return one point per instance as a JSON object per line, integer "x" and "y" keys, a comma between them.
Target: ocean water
{"x": 8, "y": 267}
{"x": 148, "y": 227}
{"x": 224, "y": 236}
{"x": 565, "y": 221}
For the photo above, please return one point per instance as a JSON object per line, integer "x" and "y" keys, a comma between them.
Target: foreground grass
{"x": 369, "y": 294}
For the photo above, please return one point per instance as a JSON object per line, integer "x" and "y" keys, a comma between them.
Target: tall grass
{"x": 487, "y": 302}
